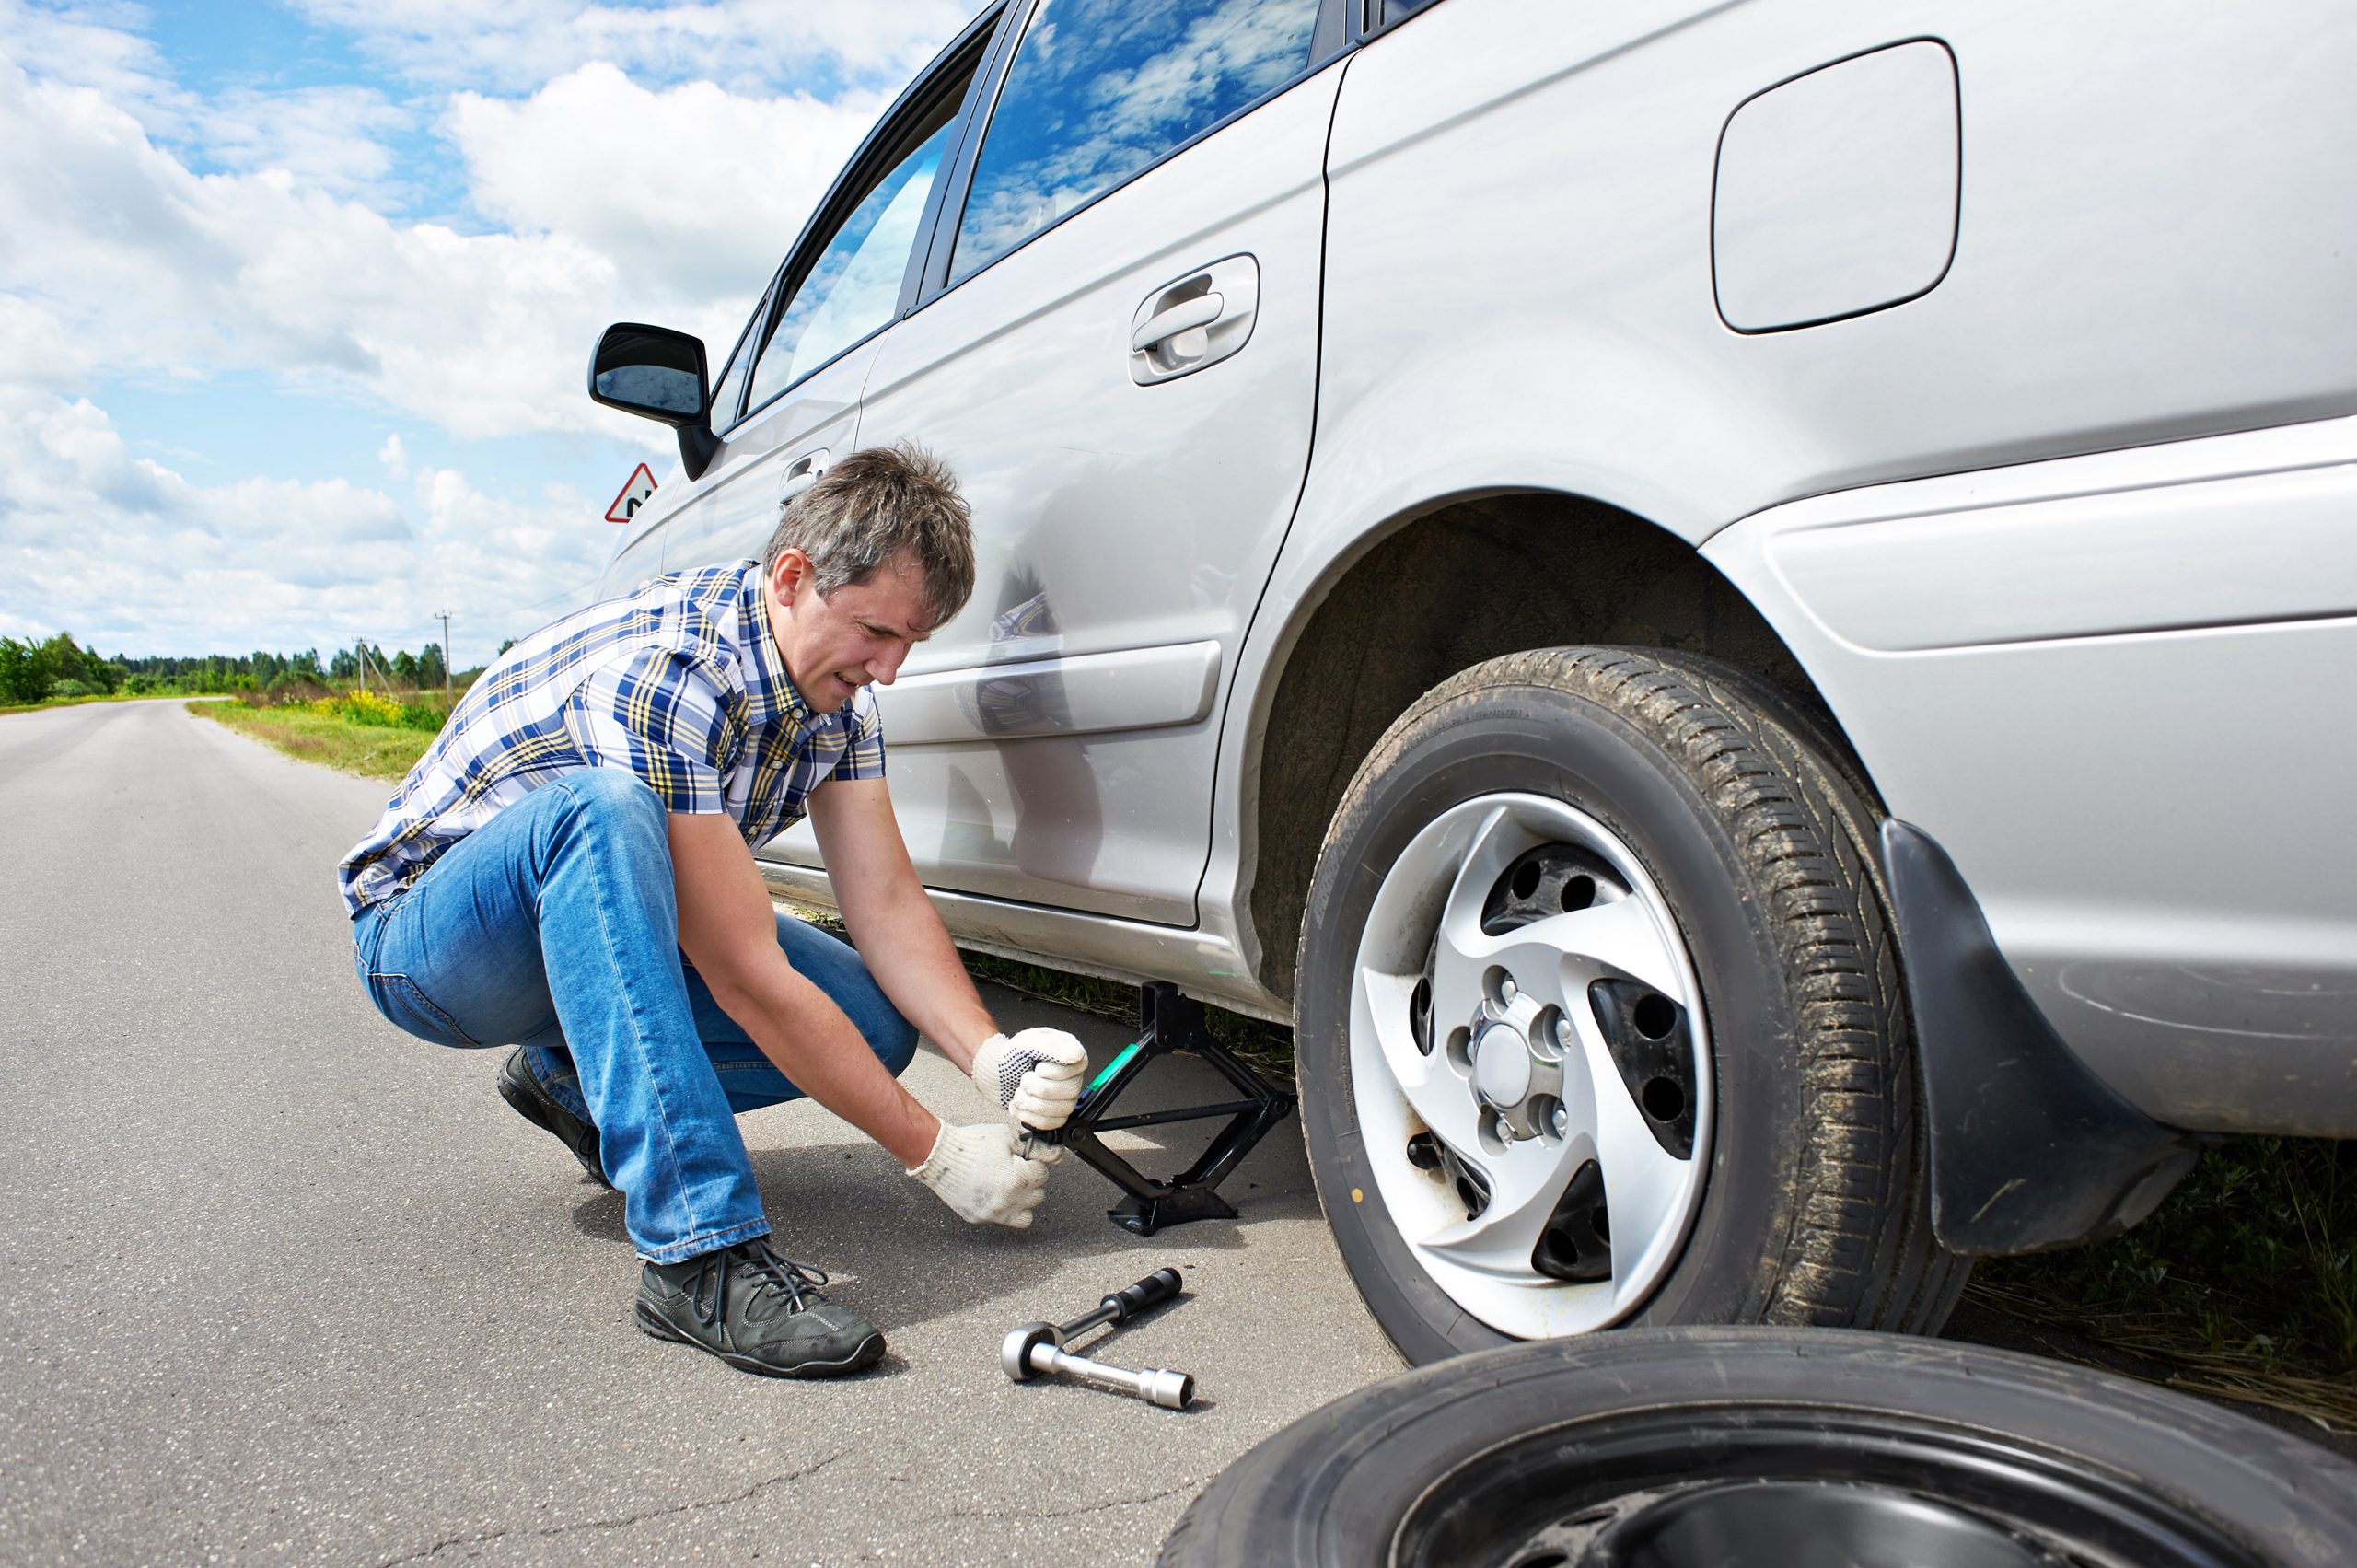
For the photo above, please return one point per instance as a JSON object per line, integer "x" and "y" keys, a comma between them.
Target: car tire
{"x": 1742, "y": 1448}
{"x": 1701, "y": 811}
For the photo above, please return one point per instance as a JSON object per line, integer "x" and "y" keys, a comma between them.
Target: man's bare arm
{"x": 728, "y": 930}
{"x": 891, "y": 922}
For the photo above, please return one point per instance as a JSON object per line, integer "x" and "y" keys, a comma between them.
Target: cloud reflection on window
{"x": 1104, "y": 87}
{"x": 854, "y": 286}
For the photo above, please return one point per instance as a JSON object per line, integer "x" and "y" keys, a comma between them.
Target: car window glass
{"x": 1100, "y": 89}
{"x": 854, "y": 285}
{"x": 732, "y": 380}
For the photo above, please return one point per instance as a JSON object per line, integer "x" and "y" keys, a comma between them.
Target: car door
{"x": 787, "y": 404}
{"x": 1115, "y": 348}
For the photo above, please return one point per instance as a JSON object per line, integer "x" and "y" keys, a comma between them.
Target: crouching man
{"x": 569, "y": 869}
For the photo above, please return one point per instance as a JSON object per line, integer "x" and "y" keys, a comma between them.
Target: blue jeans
{"x": 555, "y": 925}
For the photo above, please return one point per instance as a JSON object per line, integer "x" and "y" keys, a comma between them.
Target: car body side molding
{"x": 2030, "y": 1151}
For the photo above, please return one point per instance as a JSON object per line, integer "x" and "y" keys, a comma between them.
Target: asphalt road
{"x": 285, "y": 1284}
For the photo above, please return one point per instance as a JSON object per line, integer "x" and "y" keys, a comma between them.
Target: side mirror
{"x": 658, "y": 374}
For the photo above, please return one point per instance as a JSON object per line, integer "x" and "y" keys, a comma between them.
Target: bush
{"x": 2253, "y": 1260}
{"x": 289, "y": 691}
{"x": 71, "y": 689}
{"x": 25, "y": 672}
{"x": 421, "y": 716}
{"x": 361, "y": 707}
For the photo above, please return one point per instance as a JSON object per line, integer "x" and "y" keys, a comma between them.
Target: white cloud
{"x": 90, "y": 48}
{"x": 36, "y": 347}
{"x": 692, "y": 193}
{"x": 746, "y": 45}
{"x": 148, "y": 231}
{"x": 120, "y": 259}
{"x": 325, "y": 138}
{"x": 134, "y": 557}
{"x": 118, "y": 250}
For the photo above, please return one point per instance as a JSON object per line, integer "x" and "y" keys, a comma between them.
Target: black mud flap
{"x": 2030, "y": 1151}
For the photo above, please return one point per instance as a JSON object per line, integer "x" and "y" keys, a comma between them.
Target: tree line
{"x": 33, "y": 672}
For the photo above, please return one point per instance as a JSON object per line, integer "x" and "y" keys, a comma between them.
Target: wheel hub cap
{"x": 1520, "y": 1145}
{"x": 1501, "y": 1067}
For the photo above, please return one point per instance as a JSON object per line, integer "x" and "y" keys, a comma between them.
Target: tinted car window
{"x": 732, "y": 380}
{"x": 1101, "y": 89}
{"x": 854, "y": 285}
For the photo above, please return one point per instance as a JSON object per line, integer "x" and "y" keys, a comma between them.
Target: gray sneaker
{"x": 757, "y": 1311}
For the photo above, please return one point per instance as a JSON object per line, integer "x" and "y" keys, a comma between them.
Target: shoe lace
{"x": 772, "y": 1271}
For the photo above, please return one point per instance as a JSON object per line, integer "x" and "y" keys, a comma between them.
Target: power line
{"x": 562, "y": 593}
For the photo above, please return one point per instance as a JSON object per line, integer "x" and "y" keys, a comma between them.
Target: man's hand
{"x": 1033, "y": 1077}
{"x": 981, "y": 1174}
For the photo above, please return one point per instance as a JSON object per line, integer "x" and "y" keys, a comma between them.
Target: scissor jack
{"x": 1167, "y": 1022}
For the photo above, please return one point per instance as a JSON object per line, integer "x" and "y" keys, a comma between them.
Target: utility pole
{"x": 444, "y": 617}
{"x": 361, "y": 648}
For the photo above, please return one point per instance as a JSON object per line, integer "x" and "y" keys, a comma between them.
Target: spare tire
{"x": 1763, "y": 1449}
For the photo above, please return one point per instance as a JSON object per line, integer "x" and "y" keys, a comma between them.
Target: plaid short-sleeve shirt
{"x": 679, "y": 682}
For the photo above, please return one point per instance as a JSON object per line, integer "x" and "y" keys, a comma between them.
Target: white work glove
{"x": 984, "y": 1175}
{"x": 1034, "y": 1077}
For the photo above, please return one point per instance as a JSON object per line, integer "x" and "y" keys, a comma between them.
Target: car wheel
{"x": 1764, "y": 1447}
{"x": 1600, "y": 1017}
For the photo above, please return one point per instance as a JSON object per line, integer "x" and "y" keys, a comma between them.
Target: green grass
{"x": 7, "y": 708}
{"x": 2243, "y": 1285}
{"x": 373, "y": 751}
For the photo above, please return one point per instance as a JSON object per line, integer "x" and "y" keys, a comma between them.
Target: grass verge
{"x": 47, "y": 702}
{"x": 373, "y": 751}
{"x": 2242, "y": 1286}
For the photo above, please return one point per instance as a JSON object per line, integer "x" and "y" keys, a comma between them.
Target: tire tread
{"x": 1801, "y": 824}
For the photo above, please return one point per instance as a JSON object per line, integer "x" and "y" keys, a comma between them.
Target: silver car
{"x": 1743, "y": 613}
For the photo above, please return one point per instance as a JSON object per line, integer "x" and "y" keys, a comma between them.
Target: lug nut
{"x": 1561, "y": 1119}
{"x": 1563, "y": 1034}
{"x": 1506, "y": 989}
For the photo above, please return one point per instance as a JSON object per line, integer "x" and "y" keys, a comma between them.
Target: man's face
{"x": 835, "y": 643}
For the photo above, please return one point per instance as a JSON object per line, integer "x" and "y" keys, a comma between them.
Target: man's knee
{"x": 617, "y": 803}
{"x": 613, "y": 791}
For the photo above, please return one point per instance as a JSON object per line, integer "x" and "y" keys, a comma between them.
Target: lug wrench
{"x": 1038, "y": 1348}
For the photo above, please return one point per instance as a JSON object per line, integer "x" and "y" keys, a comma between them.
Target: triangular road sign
{"x": 634, "y": 496}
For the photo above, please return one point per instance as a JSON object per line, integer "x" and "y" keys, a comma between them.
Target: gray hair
{"x": 871, "y": 508}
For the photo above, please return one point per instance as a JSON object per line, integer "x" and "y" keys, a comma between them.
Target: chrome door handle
{"x": 1185, "y": 315}
{"x": 1197, "y": 319}
{"x": 802, "y": 473}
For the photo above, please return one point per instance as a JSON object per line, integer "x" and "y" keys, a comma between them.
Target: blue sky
{"x": 295, "y": 297}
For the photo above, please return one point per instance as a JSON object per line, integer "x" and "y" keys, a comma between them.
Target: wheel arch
{"x": 1437, "y": 587}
